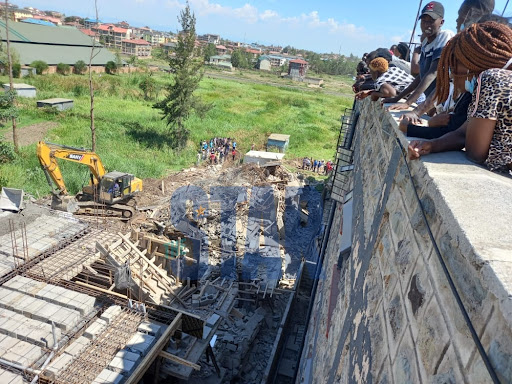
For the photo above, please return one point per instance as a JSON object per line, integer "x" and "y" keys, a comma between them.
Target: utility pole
{"x": 11, "y": 83}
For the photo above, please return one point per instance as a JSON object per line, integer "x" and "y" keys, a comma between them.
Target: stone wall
{"x": 387, "y": 313}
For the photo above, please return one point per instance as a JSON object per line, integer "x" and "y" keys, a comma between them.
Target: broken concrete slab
{"x": 11, "y": 199}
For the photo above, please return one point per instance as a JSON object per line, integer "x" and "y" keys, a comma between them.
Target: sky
{"x": 324, "y": 26}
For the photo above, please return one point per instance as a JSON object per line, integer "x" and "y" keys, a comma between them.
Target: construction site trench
{"x": 209, "y": 282}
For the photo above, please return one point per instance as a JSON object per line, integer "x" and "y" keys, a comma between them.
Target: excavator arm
{"x": 48, "y": 153}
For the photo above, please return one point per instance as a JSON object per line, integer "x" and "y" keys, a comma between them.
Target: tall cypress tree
{"x": 186, "y": 66}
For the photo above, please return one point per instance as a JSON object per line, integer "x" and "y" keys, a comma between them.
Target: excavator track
{"x": 92, "y": 208}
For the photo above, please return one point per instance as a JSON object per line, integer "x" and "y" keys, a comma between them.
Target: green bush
{"x": 16, "y": 70}
{"x": 62, "y": 69}
{"x": 79, "y": 90}
{"x": 7, "y": 153}
{"x": 111, "y": 67}
{"x": 40, "y": 66}
{"x": 79, "y": 67}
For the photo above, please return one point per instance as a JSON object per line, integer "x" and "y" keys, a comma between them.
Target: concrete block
{"x": 127, "y": 355}
{"x": 7, "y": 377}
{"x": 10, "y": 327}
{"x": 140, "y": 343}
{"x": 212, "y": 320}
{"x": 22, "y": 352}
{"x": 120, "y": 365}
{"x": 8, "y": 342}
{"x": 110, "y": 313}
{"x": 108, "y": 377}
{"x": 95, "y": 329}
{"x": 61, "y": 362}
{"x": 63, "y": 318}
{"x": 46, "y": 312}
{"x": 77, "y": 346}
{"x": 150, "y": 328}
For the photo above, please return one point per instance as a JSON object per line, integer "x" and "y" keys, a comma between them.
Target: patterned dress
{"x": 492, "y": 99}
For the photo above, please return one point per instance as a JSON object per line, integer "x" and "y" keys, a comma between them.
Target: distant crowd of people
{"x": 217, "y": 150}
{"x": 318, "y": 166}
{"x": 461, "y": 81}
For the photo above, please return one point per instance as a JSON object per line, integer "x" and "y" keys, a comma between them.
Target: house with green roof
{"x": 54, "y": 45}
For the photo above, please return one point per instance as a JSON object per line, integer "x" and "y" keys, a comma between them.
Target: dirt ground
{"x": 30, "y": 134}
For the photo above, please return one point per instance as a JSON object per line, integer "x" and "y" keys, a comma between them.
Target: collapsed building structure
{"x": 198, "y": 287}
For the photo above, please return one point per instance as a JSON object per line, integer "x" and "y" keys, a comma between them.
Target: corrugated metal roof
{"x": 38, "y": 22}
{"x": 55, "y": 54}
{"x": 44, "y": 34}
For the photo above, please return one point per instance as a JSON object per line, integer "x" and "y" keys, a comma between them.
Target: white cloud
{"x": 269, "y": 14}
{"x": 309, "y": 31}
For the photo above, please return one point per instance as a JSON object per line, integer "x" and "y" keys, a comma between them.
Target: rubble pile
{"x": 220, "y": 244}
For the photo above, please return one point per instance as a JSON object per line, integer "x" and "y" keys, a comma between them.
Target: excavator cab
{"x": 117, "y": 186}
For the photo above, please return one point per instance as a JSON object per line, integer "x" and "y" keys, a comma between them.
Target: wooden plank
{"x": 179, "y": 360}
{"x": 144, "y": 365}
{"x": 158, "y": 274}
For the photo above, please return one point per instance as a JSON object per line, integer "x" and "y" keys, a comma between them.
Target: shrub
{"x": 80, "y": 67}
{"x": 110, "y": 67}
{"x": 62, "y": 69}
{"x": 16, "y": 70}
{"x": 79, "y": 90}
{"x": 40, "y": 66}
{"x": 7, "y": 153}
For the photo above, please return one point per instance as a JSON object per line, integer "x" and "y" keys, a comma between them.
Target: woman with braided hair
{"x": 479, "y": 60}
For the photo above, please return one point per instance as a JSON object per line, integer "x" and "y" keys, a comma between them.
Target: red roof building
{"x": 111, "y": 35}
{"x": 297, "y": 68}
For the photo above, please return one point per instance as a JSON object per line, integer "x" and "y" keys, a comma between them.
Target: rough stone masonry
{"x": 387, "y": 314}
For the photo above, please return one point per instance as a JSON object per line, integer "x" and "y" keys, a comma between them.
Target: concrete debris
{"x": 11, "y": 199}
{"x": 226, "y": 260}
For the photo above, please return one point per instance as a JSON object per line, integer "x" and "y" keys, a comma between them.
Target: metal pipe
{"x": 50, "y": 357}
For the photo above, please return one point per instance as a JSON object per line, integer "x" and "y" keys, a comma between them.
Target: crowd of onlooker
{"x": 318, "y": 166}
{"x": 459, "y": 85}
{"x": 217, "y": 150}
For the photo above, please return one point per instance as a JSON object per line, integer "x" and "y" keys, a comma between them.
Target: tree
{"x": 62, "y": 69}
{"x": 111, "y": 67}
{"x": 239, "y": 59}
{"x": 16, "y": 70}
{"x": 187, "y": 68}
{"x": 11, "y": 94}
{"x": 119, "y": 60}
{"x": 148, "y": 86}
{"x": 209, "y": 51}
{"x": 40, "y": 66}
{"x": 79, "y": 67}
{"x": 95, "y": 50}
{"x": 132, "y": 61}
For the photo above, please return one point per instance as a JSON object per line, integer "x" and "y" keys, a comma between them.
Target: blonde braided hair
{"x": 480, "y": 47}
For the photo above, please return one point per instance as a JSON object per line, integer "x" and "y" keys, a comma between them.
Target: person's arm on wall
{"x": 386, "y": 90}
{"x": 415, "y": 61}
{"x": 424, "y": 83}
{"x": 404, "y": 93}
{"x": 421, "y": 109}
{"x": 452, "y": 141}
{"x": 478, "y": 138}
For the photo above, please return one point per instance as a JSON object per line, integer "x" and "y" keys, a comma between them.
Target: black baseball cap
{"x": 434, "y": 9}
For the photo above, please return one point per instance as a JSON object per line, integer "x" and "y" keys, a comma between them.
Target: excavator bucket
{"x": 65, "y": 203}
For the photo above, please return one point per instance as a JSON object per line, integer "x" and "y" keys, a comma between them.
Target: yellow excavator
{"x": 107, "y": 194}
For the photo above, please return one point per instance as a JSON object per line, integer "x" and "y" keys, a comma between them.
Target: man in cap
{"x": 432, "y": 19}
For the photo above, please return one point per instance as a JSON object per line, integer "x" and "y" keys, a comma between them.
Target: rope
{"x": 414, "y": 28}
{"x": 504, "y": 9}
{"x": 474, "y": 335}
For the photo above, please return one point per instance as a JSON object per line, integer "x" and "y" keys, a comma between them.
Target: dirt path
{"x": 31, "y": 133}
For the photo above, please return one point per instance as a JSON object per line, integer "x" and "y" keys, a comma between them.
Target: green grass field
{"x": 131, "y": 136}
